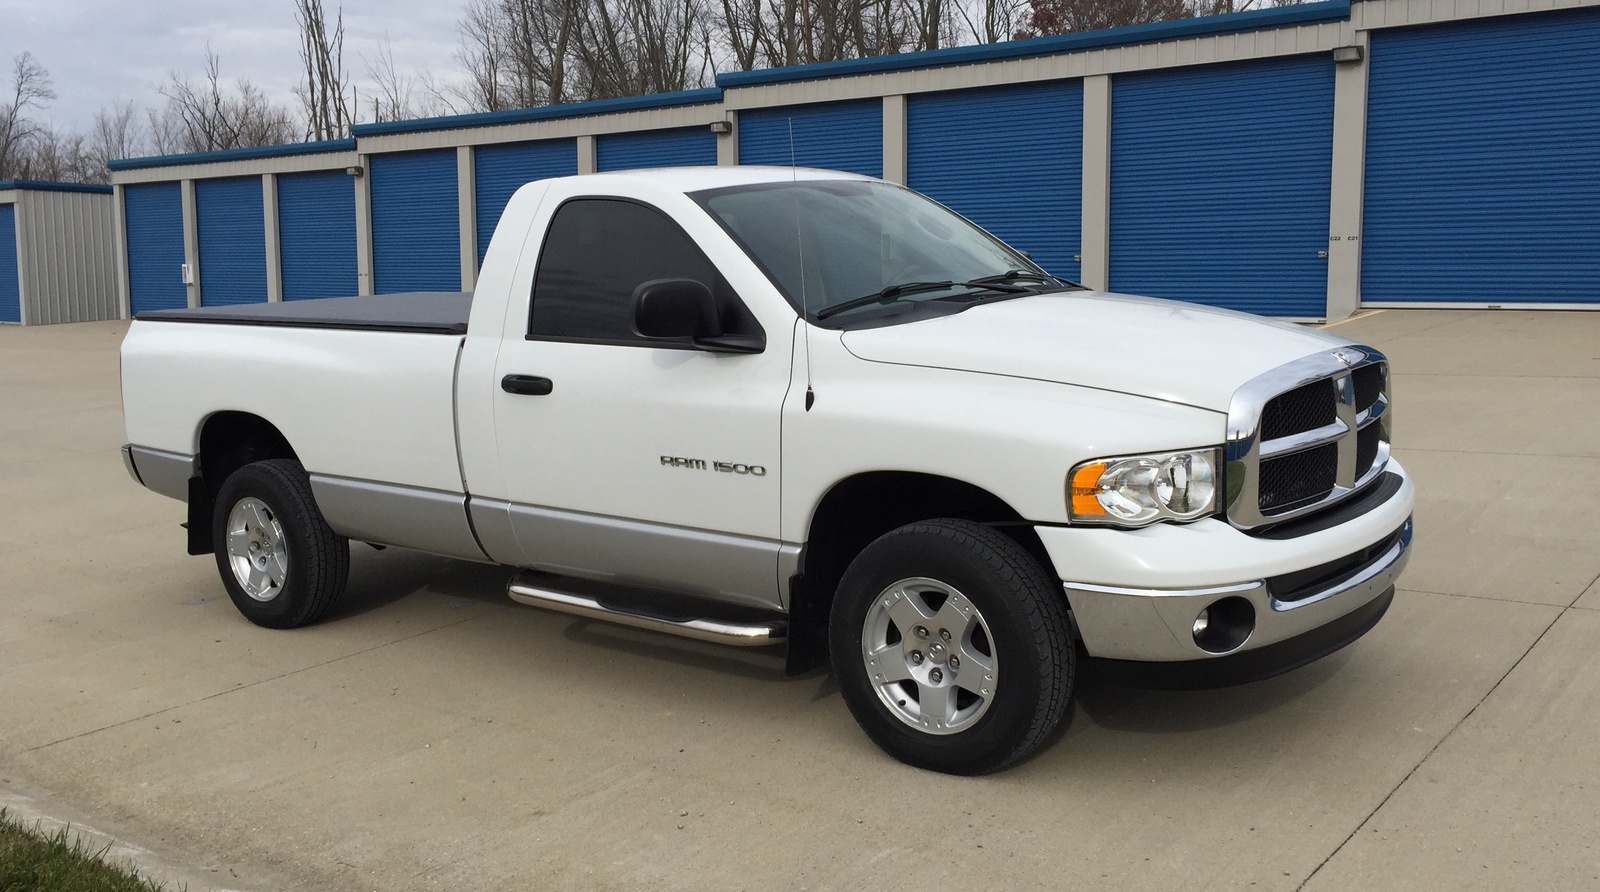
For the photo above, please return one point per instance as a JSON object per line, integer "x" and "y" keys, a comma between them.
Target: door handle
{"x": 531, "y": 385}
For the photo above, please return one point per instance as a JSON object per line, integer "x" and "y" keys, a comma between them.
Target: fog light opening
{"x": 1224, "y": 625}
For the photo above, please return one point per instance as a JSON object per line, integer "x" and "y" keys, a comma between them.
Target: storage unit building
{"x": 57, "y": 253}
{"x": 1300, "y": 161}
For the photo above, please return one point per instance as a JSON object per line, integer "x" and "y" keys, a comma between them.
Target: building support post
{"x": 119, "y": 221}
{"x": 467, "y": 207}
{"x": 1094, "y": 244}
{"x": 894, "y": 139}
{"x": 362, "y": 183}
{"x": 587, "y": 160}
{"x": 191, "y": 241}
{"x": 269, "y": 206}
{"x": 1348, "y": 183}
{"x": 728, "y": 143}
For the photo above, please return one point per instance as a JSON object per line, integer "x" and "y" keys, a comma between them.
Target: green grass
{"x": 31, "y": 861}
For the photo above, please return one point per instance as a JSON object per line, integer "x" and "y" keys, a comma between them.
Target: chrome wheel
{"x": 930, "y": 656}
{"x": 258, "y": 552}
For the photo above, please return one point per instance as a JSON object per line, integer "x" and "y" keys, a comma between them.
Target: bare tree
{"x": 991, "y": 21}
{"x": 30, "y": 91}
{"x": 326, "y": 95}
{"x": 204, "y": 117}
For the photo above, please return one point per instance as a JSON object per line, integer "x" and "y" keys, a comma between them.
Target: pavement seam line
{"x": 1408, "y": 334}
{"x": 1429, "y": 591}
{"x": 1433, "y": 749}
{"x": 246, "y": 687}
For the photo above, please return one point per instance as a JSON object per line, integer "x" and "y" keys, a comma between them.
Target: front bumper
{"x": 1129, "y": 610}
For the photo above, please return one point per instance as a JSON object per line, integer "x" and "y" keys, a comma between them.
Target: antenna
{"x": 800, "y": 248}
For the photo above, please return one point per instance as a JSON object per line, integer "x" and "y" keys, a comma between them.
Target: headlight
{"x": 1138, "y": 489}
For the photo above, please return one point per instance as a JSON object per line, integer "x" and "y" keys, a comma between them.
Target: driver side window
{"x": 596, "y": 252}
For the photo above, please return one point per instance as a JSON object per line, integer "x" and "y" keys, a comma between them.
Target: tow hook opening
{"x": 1224, "y": 625}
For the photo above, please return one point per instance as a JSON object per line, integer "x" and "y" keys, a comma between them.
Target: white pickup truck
{"x": 772, "y": 406}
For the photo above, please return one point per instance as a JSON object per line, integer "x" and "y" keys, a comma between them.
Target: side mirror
{"x": 675, "y": 308}
{"x": 685, "y": 308}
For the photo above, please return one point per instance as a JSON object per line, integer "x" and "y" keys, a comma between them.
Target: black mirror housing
{"x": 675, "y": 308}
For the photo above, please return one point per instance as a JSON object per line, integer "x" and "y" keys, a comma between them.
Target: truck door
{"x": 641, "y": 461}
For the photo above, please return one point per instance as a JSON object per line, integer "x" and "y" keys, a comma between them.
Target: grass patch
{"x": 31, "y": 861}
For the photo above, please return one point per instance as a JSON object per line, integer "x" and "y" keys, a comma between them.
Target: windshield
{"x": 826, "y": 242}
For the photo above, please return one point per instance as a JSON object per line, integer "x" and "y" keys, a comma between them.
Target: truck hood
{"x": 1167, "y": 350}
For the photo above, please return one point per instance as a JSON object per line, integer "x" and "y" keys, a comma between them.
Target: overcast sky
{"x": 102, "y": 51}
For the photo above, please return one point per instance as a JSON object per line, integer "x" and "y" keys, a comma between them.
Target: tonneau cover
{"x": 423, "y": 312}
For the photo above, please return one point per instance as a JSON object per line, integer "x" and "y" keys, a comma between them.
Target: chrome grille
{"x": 1307, "y": 435}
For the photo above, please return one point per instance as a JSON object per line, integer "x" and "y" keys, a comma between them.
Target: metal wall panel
{"x": 835, "y": 135}
{"x": 1220, "y": 180}
{"x": 233, "y": 241}
{"x": 10, "y": 283}
{"x": 1483, "y": 162}
{"x": 416, "y": 222}
{"x": 317, "y": 234}
{"x": 500, "y": 170}
{"x": 154, "y": 213}
{"x": 679, "y": 147}
{"x": 67, "y": 256}
{"x": 1008, "y": 158}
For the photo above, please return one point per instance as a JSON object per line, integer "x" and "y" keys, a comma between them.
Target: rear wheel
{"x": 282, "y": 565}
{"x": 952, "y": 647}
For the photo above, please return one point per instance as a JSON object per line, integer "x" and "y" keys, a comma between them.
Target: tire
{"x": 281, "y": 564}
{"x": 928, "y": 596}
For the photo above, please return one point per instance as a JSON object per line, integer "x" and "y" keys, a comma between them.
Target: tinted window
{"x": 596, "y": 252}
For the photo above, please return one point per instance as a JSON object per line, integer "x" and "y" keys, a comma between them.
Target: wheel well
{"x": 858, "y": 510}
{"x": 228, "y": 442}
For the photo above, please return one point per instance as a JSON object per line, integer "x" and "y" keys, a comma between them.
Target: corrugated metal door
{"x": 1219, "y": 184}
{"x": 1008, "y": 158}
{"x": 10, "y": 284}
{"x": 233, "y": 241}
{"x": 1483, "y": 162}
{"x": 416, "y": 222}
{"x": 503, "y": 169}
{"x": 317, "y": 234}
{"x": 681, "y": 147}
{"x": 154, "y": 216}
{"x": 834, "y": 135}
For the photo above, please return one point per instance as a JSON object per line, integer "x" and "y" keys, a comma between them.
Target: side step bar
{"x": 739, "y": 634}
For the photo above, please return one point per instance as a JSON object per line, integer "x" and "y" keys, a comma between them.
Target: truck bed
{"x": 418, "y": 312}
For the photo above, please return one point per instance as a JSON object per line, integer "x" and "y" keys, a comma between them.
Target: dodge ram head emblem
{"x": 1349, "y": 359}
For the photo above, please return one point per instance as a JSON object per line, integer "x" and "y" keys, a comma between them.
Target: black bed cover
{"x": 421, "y": 312}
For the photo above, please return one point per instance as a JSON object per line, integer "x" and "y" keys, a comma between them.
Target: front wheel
{"x": 952, "y": 647}
{"x": 282, "y": 565}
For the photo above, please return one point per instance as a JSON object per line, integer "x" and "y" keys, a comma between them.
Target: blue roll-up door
{"x": 681, "y": 147}
{"x": 1483, "y": 162}
{"x": 416, "y": 222}
{"x": 153, "y": 213}
{"x": 233, "y": 241}
{"x": 1220, "y": 179}
{"x": 501, "y": 170}
{"x": 834, "y": 135}
{"x": 1008, "y": 158}
{"x": 317, "y": 234}
{"x": 10, "y": 284}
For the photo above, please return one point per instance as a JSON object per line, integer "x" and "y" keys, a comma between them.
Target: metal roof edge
{"x": 246, "y": 154}
{"x": 702, "y": 96}
{"x": 51, "y": 186}
{"x": 1203, "y": 26}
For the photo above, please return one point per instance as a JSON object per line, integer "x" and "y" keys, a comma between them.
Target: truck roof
{"x": 694, "y": 179}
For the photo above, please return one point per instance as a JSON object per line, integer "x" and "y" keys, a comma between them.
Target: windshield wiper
{"x": 1012, "y": 275}
{"x": 893, "y": 292}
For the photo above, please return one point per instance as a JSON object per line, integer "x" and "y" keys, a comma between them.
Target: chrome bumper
{"x": 1156, "y": 625}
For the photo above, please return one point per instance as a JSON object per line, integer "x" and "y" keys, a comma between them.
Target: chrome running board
{"x": 545, "y": 594}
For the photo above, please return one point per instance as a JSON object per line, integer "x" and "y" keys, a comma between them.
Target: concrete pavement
{"x": 434, "y": 736}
